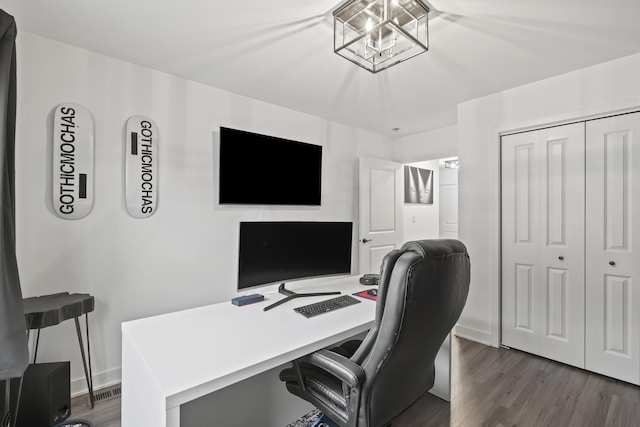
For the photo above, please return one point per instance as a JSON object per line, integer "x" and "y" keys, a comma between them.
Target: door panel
{"x": 526, "y": 192}
{"x": 376, "y": 254}
{"x": 543, "y": 242}
{"x": 617, "y": 316}
{"x": 613, "y": 206}
{"x": 556, "y": 196}
{"x": 525, "y": 301}
{"x": 520, "y": 255}
{"x": 557, "y": 311}
{"x": 617, "y": 176}
{"x": 380, "y": 190}
{"x": 561, "y": 215}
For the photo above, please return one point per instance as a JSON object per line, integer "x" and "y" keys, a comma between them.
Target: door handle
{"x": 561, "y": 258}
{"x": 612, "y": 263}
{"x": 367, "y": 240}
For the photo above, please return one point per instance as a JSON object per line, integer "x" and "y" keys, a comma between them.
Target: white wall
{"x": 609, "y": 87}
{"x": 423, "y": 221}
{"x": 433, "y": 144}
{"x": 185, "y": 254}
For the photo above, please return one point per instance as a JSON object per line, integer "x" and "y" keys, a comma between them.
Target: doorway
{"x": 436, "y": 218}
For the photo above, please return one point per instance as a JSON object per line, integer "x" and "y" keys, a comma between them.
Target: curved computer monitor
{"x": 278, "y": 252}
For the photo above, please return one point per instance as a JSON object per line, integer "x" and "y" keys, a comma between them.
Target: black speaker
{"x": 46, "y": 395}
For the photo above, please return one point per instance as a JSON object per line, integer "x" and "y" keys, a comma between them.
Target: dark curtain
{"x": 14, "y": 356}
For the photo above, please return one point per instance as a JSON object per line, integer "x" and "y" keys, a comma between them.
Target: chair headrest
{"x": 435, "y": 248}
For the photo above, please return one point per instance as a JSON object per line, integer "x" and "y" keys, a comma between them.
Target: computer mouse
{"x": 372, "y": 292}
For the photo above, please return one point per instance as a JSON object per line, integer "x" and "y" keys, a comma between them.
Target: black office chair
{"x": 423, "y": 288}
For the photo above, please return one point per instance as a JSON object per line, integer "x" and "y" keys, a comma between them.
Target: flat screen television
{"x": 264, "y": 170}
{"x": 276, "y": 252}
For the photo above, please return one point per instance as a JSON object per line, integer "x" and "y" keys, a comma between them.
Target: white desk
{"x": 172, "y": 359}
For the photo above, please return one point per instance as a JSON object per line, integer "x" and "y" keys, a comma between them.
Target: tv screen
{"x": 274, "y": 252}
{"x": 264, "y": 170}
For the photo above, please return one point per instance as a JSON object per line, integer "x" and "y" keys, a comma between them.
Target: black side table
{"x": 49, "y": 310}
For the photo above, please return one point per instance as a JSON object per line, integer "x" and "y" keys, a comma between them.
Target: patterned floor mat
{"x": 307, "y": 420}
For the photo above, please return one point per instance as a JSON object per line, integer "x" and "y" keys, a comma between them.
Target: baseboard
{"x": 473, "y": 335}
{"x": 101, "y": 380}
{"x": 441, "y": 395}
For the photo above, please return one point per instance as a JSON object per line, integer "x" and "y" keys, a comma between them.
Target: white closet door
{"x": 520, "y": 241}
{"x": 543, "y": 242}
{"x": 562, "y": 243}
{"x": 612, "y": 261}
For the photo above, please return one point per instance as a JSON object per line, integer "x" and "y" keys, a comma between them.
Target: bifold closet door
{"x": 543, "y": 242}
{"x": 612, "y": 260}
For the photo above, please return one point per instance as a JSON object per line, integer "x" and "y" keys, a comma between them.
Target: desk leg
{"x": 86, "y": 323}
{"x": 84, "y": 360}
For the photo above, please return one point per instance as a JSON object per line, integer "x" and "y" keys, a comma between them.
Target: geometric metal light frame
{"x": 377, "y": 34}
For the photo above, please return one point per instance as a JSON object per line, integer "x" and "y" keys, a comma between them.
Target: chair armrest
{"x": 348, "y": 372}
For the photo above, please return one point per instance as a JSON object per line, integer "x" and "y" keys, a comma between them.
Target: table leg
{"x": 35, "y": 352}
{"x": 84, "y": 360}
{"x": 86, "y": 322}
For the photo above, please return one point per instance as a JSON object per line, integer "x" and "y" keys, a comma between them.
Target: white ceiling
{"x": 281, "y": 51}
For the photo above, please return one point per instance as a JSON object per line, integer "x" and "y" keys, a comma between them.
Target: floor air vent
{"x": 107, "y": 393}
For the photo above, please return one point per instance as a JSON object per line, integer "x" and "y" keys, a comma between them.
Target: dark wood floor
{"x": 493, "y": 387}
{"x": 500, "y": 387}
{"x": 105, "y": 413}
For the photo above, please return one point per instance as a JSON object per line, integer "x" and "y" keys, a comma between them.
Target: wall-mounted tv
{"x": 258, "y": 169}
{"x": 276, "y": 252}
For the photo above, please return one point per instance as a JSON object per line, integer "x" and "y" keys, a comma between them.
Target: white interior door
{"x": 448, "y": 203}
{"x": 613, "y": 228}
{"x": 562, "y": 205}
{"x": 543, "y": 242}
{"x": 380, "y": 211}
{"x": 520, "y": 241}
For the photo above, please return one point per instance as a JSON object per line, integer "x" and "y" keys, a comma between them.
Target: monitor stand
{"x": 293, "y": 295}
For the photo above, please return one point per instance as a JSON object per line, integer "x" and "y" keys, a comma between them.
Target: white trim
{"x": 474, "y": 335}
{"x": 101, "y": 380}
{"x": 562, "y": 120}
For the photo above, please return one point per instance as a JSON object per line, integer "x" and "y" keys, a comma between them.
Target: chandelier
{"x": 376, "y": 34}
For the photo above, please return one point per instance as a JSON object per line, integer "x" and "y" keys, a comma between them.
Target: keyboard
{"x": 326, "y": 306}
